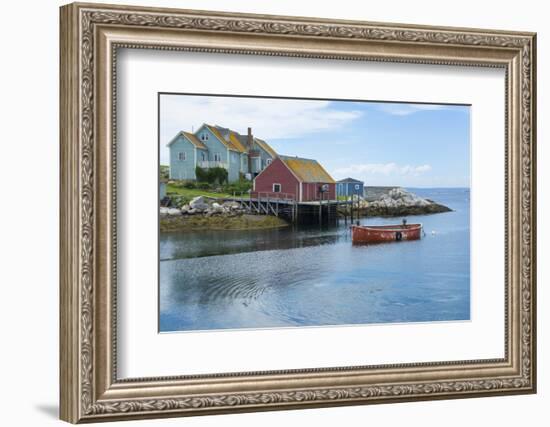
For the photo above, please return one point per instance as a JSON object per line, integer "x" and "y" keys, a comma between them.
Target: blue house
{"x": 349, "y": 187}
{"x": 216, "y": 146}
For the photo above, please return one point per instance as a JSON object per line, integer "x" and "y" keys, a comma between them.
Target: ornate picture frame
{"x": 90, "y": 37}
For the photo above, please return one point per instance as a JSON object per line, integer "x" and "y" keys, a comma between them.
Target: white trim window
{"x": 182, "y": 156}
{"x": 276, "y": 187}
{"x": 204, "y": 136}
{"x": 217, "y": 157}
{"x": 268, "y": 162}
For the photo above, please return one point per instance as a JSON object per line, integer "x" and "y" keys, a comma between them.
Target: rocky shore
{"x": 204, "y": 213}
{"x": 399, "y": 202}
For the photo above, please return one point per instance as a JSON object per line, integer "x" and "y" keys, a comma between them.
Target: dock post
{"x": 346, "y": 213}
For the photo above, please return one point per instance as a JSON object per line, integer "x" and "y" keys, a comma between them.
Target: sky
{"x": 380, "y": 143}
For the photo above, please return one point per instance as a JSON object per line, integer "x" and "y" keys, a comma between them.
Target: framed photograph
{"x": 266, "y": 212}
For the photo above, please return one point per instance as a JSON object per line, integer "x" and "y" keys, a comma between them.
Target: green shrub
{"x": 204, "y": 186}
{"x": 189, "y": 184}
{"x": 201, "y": 174}
{"x": 212, "y": 175}
{"x": 217, "y": 175}
{"x": 242, "y": 186}
{"x": 164, "y": 172}
{"x": 178, "y": 201}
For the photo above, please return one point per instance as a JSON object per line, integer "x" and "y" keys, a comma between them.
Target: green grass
{"x": 194, "y": 192}
{"x": 219, "y": 222}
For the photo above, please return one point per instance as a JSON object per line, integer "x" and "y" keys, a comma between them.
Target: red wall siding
{"x": 278, "y": 173}
{"x": 310, "y": 191}
{"x": 332, "y": 191}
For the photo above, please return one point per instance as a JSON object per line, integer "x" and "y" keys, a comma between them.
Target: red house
{"x": 303, "y": 180}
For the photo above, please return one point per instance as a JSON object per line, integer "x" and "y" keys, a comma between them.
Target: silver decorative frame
{"x": 90, "y": 36}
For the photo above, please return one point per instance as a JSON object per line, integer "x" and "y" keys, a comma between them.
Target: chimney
{"x": 250, "y": 139}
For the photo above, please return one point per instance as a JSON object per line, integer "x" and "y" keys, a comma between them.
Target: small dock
{"x": 322, "y": 212}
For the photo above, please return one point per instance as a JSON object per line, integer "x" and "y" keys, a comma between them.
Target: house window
{"x": 217, "y": 157}
{"x": 203, "y": 155}
{"x": 182, "y": 156}
{"x": 204, "y": 136}
{"x": 357, "y": 186}
{"x": 276, "y": 188}
{"x": 268, "y": 161}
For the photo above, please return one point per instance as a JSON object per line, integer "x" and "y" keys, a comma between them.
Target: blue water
{"x": 312, "y": 277}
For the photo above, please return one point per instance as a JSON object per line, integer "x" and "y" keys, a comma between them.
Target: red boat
{"x": 385, "y": 233}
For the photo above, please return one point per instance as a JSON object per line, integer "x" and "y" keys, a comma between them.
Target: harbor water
{"x": 291, "y": 277}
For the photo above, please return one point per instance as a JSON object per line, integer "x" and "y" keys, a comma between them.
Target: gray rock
{"x": 169, "y": 211}
{"x": 216, "y": 207}
{"x": 199, "y": 203}
{"x": 399, "y": 202}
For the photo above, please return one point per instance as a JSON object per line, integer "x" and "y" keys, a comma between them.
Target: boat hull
{"x": 385, "y": 233}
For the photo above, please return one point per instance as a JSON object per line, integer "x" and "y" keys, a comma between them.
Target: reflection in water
{"x": 312, "y": 277}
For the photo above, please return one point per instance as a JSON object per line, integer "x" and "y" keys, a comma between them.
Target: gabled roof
{"x": 236, "y": 142}
{"x": 218, "y": 134}
{"x": 232, "y": 140}
{"x": 224, "y": 135}
{"x": 195, "y": 141}
{"x": 265, "y": 146}
{"x": 352, "y": 180}
{"x": 307, "y": 170}
{"x": 192, "y": 139}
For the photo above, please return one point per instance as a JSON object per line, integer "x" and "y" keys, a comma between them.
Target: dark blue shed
{"x": 349, "y": 187}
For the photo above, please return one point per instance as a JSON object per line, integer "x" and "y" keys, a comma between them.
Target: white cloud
{"x": 407, "y": 109}
{"x": 386, "y": 169}
{"x": 269, "y": 118}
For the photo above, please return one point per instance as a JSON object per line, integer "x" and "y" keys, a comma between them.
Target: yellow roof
{"x": 229, "y": 144}
{"x": 235, "y": 142}
{"x": 218, "y": 135}
{"x": 307, "y": 170}
{"x": 234, "y": 139}
{"x": 266, "y": 147}
{"x": 195, "y": 141}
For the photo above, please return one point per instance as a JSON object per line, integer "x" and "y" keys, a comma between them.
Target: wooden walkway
{"x": 283, "y": 205}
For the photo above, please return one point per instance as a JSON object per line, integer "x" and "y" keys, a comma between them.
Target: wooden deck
{"x": 285, "y": 206}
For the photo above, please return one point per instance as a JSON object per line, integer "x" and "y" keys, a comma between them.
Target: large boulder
{"x": 169, "y": 211}
{"x": 399, "y": 202}
{"x": 199, "y": 203}
{"x": 232, "y": 205}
